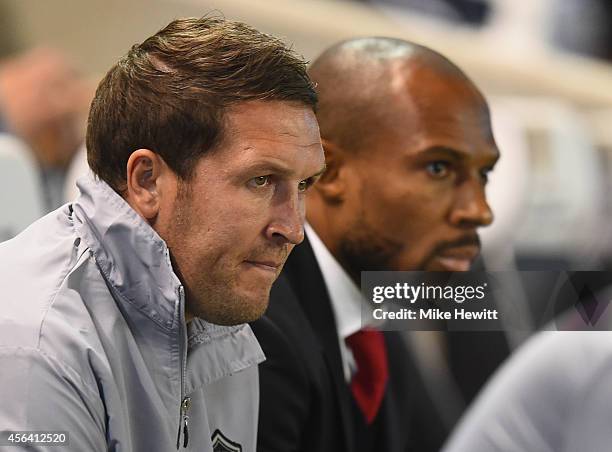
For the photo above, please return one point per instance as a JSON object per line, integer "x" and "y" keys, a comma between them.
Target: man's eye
{"x": 438, "y": 169}
{"x": 259, "y": 181}
{"x": 303, "y": 185}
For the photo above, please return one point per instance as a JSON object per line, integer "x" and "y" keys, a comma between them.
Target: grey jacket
{"x": 93, "y": 340}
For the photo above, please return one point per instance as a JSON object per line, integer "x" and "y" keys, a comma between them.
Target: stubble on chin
{"x": 224, "y": 305}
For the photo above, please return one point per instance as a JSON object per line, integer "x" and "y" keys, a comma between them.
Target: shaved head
{"x": 356, "y": 80}
{"x": 408, "y": 147}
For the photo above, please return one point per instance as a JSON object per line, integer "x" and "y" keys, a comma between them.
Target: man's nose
{"x": 471, "y": 208}
{"x": 287, "y": 224}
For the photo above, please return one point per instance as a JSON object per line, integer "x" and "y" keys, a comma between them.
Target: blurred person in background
{"x": 408, "y": 145}
{"x": 469, "y": 12}
{"x": 124, "y": 312}
{"x": 44, "y": 102}
{"x": 582, "y": 26}
{"x": 553, "y": 395}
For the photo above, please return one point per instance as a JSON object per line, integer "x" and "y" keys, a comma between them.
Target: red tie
{"x": 369, "y": 382}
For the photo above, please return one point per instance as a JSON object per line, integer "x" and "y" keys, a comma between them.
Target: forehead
{"x": 283, "y": 132}
{"x": 269, "y": 119}
{"x": 429, "y": 108}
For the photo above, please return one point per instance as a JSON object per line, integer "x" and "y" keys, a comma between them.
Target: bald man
{"x": 408, "y": 148}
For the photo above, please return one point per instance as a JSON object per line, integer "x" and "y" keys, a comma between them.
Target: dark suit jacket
{"x": 306, "y": 404}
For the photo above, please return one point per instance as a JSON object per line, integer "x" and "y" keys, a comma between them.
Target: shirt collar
{"x": 346, "y": 299}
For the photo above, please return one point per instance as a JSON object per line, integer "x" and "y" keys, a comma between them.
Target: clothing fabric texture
{"x": 552, "y": 396}
{"x": 306, "y": 402}
{"x": 93, "y": 340}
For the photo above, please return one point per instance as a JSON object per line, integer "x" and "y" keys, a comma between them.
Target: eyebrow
{"x": 281, "y": 169}
{"x": 456, "y": 154}
{"x": 321, "y": 171}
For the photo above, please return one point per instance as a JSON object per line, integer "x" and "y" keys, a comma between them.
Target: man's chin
{"x": 253, "y": 311}
{"x": 234, "y": 311}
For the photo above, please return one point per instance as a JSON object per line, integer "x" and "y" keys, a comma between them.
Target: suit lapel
{"x": 304, "y": 275}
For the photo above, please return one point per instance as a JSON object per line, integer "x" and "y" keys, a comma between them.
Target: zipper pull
{"x": 185, "y": 431}
{"x": 185, "y": 405}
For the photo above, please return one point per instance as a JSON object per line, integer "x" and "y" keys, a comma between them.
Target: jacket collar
{"x": 135, "y": 262}
{"x": 133, "y": 258}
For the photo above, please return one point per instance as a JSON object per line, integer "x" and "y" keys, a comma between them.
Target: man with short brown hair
{"x": 123, "y": 318}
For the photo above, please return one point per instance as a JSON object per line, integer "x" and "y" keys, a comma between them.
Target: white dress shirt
{"x": 346, "y": 298}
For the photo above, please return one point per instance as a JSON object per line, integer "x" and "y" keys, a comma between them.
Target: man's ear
{"x": 144, "y": 168}
{"x": 332, "y": 184}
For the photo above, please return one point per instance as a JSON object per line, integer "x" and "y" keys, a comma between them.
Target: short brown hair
{"x": 169, "y": 94}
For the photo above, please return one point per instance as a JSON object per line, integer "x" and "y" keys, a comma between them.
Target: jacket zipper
{"x": 185, "y": 401}
{"x": 185, "y": 405}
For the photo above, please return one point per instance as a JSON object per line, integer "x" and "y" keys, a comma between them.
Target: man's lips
{"x": 271, "y": 266}
{"x": 457, "y": 259}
